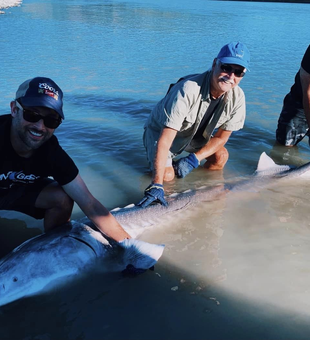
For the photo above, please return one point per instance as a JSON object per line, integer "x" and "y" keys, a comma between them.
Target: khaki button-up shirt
{"x": 184, "y": 106}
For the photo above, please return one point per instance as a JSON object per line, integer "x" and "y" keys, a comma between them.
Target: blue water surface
{"x": 115, "y": 59}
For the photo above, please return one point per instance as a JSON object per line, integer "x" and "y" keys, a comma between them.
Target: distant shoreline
{"x": 282, "y": 1}
{"x": 4, "y": 4}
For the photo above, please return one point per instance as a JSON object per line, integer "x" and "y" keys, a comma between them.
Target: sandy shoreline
{"x": 9, "y": 3}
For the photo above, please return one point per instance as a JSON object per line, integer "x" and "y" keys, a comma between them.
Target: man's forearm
{"x": 106, "y": 222}
{"x": 163, "y": 146}
{"x": 210, "y": 148}
{"x": 306, "y": 105}
{"x": 305, "y": 85}
{"x": 160, "y": 165}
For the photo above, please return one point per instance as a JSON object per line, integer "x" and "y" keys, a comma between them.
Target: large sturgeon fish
{"x": 76, "y": 247}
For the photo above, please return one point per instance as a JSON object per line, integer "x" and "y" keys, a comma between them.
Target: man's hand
{"x": 152, "y": 194}
{"x": 185, "y": 165}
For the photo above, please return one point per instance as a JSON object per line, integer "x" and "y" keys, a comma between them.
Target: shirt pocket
{"x": 189, "y": 120}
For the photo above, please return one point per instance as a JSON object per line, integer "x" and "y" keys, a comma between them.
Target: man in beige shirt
{"x": 184, "y": 120}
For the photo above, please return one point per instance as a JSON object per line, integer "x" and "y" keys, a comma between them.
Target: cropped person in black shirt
{"x": 37, "y": 177}
{"x": 294, "y": 120}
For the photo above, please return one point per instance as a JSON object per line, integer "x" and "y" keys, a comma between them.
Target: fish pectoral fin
{"x": 140, "y": 254}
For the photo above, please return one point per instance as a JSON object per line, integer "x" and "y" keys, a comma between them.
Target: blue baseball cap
{"x": 235, "y": 53}
{"x": 41, "y": 91}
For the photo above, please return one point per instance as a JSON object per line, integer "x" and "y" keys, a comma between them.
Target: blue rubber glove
{"x": 185, "y": 165}
{"x": 152, "y": 194}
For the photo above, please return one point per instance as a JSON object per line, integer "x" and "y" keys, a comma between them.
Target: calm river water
{"x": 235, "y": 268}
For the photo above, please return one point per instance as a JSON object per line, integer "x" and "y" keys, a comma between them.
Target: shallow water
{"x": 234, "y": 268}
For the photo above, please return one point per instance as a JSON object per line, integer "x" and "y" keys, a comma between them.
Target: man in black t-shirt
{"x": 294, "y": 120}
{"x": 37, "y": 177}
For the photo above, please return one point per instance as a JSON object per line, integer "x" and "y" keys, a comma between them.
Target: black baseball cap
{"x": 41, "y": 91}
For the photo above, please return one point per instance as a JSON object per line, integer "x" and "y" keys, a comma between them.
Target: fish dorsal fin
{"x": 266, "y": 165}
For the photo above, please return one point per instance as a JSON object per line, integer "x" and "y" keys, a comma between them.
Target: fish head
{"x": 15, "y": 280}
{"x": 41, "y": 262}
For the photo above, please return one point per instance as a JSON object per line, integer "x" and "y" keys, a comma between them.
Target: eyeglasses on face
{"x": 229, "y": 69}
{"x": 33, "y": 117}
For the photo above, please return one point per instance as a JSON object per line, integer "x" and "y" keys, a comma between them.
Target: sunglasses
{"x": 33, "y": 117}
{"x": 229, "y": 69}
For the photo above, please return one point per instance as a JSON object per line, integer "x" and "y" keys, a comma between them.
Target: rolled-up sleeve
{"x": 177, "y": 106}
